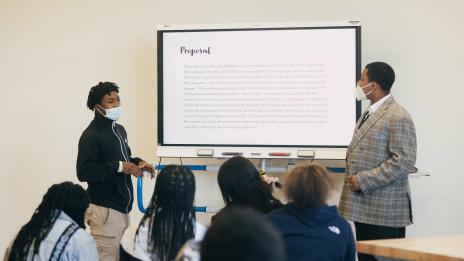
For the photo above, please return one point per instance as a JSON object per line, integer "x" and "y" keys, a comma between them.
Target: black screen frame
{"x": 160, "y": 97}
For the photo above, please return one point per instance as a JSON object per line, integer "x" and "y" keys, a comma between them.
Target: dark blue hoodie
{"x": 314, "y": 234}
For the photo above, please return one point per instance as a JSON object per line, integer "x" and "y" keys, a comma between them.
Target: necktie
{"x": 366, "y": 116}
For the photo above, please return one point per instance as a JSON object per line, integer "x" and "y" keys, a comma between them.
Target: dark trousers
{"x": 372, "y": 232}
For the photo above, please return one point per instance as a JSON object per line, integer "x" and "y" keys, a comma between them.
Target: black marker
{"x": 232, "y": 153}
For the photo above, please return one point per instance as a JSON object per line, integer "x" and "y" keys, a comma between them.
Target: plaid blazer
{"x": 381, "y": 154}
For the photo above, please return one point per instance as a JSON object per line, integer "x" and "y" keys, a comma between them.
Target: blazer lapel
{"x": 369, "y": 123}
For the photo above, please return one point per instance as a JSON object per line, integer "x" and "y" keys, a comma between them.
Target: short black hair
{"x": 381, "y": 73}
{"x": 98, "y": 91}
{"x": 242, "y": 234}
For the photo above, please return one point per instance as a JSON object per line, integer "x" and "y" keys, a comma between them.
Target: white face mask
{"x": 359, "y": 93}
{"x": 113, "y": 113}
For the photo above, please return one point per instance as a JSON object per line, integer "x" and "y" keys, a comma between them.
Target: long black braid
{"x": 170, "y": 216}
{"x": 67, "y": 197}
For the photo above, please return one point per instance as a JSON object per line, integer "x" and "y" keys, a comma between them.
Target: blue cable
{"x": 139, "y": 194}
{"x": 195, "y": 167}
{"x": 336, "y": 170}
{"x": 199, "y": 209}
{"x": 203, "y": 168}
{"x": 191, "y": 167}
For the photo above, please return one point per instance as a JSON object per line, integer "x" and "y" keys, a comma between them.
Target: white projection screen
{"x": 260, "y": 90}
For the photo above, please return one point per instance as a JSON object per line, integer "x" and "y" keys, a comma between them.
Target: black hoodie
{"x": 101, "y": 146}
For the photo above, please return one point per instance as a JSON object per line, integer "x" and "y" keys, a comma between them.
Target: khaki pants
{"x": 106, "y": 226}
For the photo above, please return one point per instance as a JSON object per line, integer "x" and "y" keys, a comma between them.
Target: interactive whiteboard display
{"x": 257, "y": 89}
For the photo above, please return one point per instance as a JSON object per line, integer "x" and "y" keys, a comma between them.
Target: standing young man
{"x": 104, "y": 161}
{"x": 376, "y": 193}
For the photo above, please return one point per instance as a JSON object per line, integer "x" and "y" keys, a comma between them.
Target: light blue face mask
{"x": 113, "y": 113}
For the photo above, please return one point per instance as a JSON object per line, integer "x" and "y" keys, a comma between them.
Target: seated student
{"x": 56, "y": 230}
{"x": 312, "y": 230}
{"x": 169, "y": 220}
{"x": 241, "y": 234}
{"x": 241, "y": 185}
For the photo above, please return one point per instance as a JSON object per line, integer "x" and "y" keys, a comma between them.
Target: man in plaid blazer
{"x": 376, "y": 193}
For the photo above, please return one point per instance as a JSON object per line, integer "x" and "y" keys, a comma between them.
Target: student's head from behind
{"x": 103, "y": 98}
{"x": 235, "y": 176}
{"x": 308, "y": 186}
{"x": 241, "y": 234}
{"x": 240, "y": 183}
{"x": 170, "y": 215}
{"x": 70, "y": 198}
{"x": 175, "y": 186}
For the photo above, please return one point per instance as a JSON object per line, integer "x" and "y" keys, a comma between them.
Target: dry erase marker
{"x": 279, "y": 154}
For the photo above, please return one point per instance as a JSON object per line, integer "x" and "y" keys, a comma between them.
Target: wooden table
{"x": 422, "y": 248}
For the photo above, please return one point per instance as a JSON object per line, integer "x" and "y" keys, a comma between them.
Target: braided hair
{"x": 70, "y": 198}
{"x": 170, "y": 216}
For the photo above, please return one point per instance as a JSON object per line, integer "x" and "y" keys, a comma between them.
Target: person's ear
{"x": 100, "y": 109}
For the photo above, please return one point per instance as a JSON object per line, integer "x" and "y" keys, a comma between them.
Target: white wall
{"x": 52, "y": 52}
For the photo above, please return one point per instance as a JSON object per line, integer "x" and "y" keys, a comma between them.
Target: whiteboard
{"x": 257, "y": 90}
